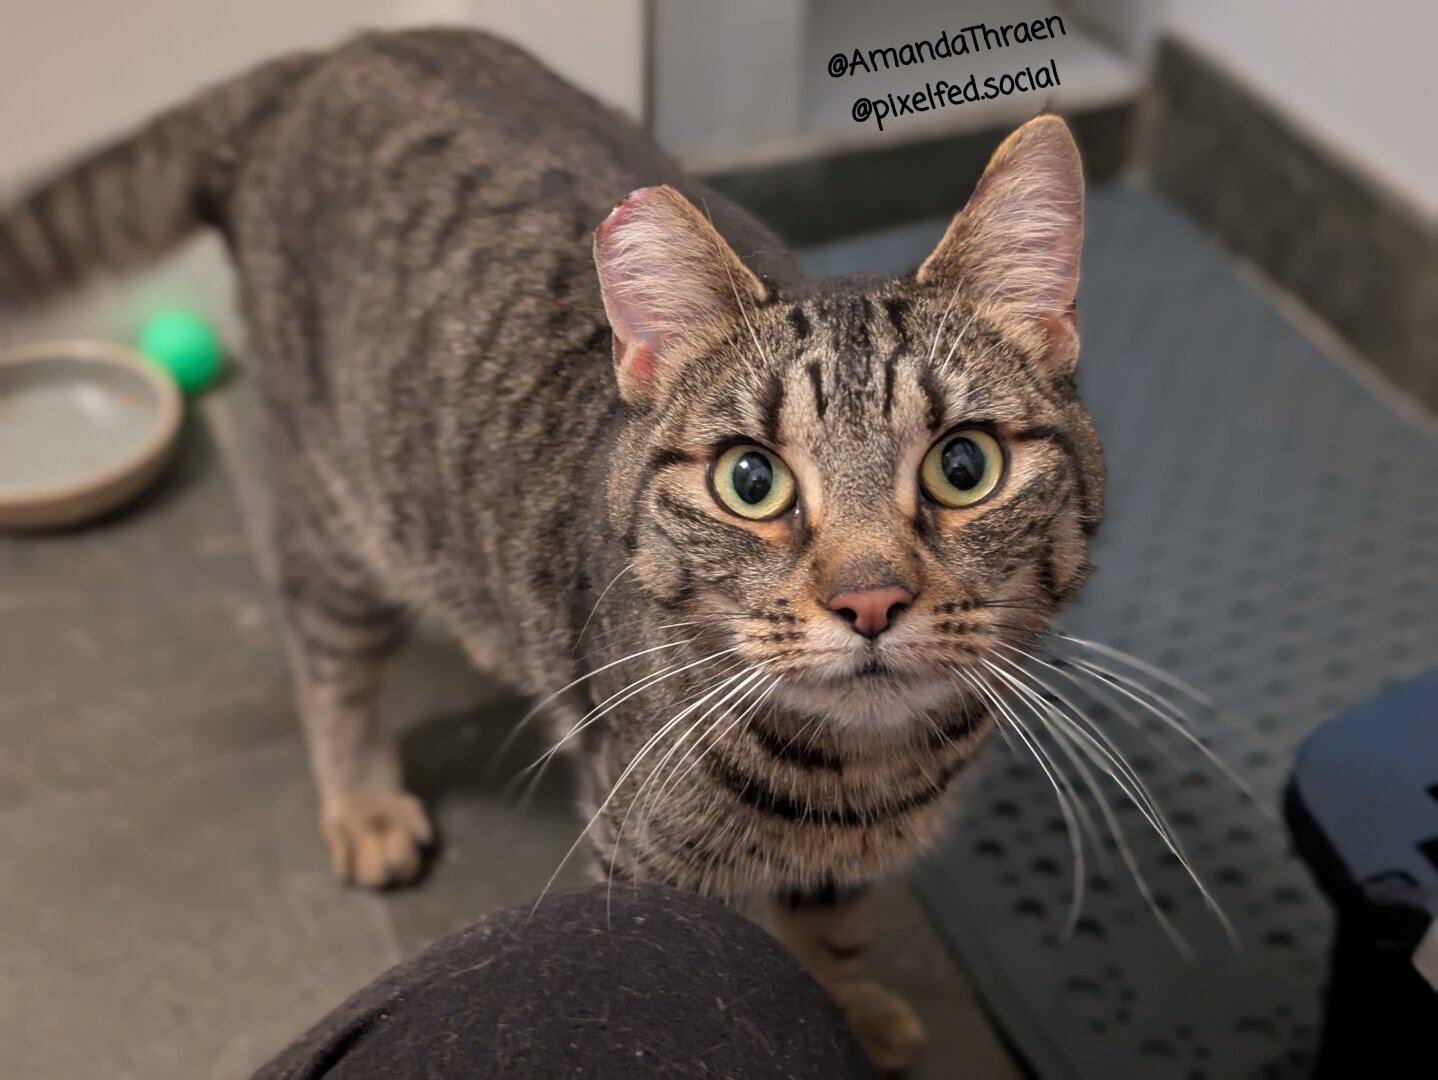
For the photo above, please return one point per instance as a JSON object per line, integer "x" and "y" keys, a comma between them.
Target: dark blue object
{"x": 1363, "y": 808}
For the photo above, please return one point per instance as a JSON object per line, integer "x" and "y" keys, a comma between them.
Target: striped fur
{"x": 411, "y": 218}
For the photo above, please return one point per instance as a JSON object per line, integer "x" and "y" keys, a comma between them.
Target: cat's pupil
{"x": 963, "y": 464}
{"x": 753, "y": 477}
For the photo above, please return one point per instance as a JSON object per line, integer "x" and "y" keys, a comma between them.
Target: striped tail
{"x": 141, "y": 195}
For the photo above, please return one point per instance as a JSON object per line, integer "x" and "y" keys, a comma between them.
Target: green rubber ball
{"x": 184, "y": 345}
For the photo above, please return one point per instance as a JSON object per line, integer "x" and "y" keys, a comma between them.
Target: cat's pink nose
{"x": 869, "y": 611}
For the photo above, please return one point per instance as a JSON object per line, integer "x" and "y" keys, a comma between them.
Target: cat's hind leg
{"x": 829, "y": 930}
{"x": 340, "y": 632}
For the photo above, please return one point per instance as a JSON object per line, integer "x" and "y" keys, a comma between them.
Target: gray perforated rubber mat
{"x": 1271, "y": 538}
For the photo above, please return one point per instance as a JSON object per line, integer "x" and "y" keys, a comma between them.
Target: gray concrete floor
{"x": 165, "y": 906}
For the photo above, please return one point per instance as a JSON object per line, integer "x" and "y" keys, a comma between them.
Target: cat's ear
{"x": 1016, "y": 244}
{"x": 670, "y": 282}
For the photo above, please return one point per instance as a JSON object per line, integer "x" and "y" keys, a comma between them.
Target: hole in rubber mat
{"x": 990, "y": 847}
{"x": 1084, "y": 985}
{"x": 1088, "y": 926}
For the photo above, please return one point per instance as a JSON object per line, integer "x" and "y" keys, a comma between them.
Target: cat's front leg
{"x": 340, "y": 635}
{"x": 830, "y": 930}
{"x": 375, "y": 830}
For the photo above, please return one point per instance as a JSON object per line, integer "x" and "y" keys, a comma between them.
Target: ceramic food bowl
{"x": 84, "y": 427}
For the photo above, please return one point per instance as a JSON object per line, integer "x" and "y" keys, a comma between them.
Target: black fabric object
{"x": 649, "y": 982}
{"x": 1362, "y": 807}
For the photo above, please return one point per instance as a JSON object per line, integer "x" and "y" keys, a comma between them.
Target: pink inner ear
{"x": 1018, "y": 238}
{"x": 637, "y": 361}
{"x": 1027, "y": 240}
{"x": 668, "y": 279}
{"x": 624, "y": 272}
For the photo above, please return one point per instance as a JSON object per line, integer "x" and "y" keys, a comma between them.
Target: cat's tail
{"x": 141, "y": 195}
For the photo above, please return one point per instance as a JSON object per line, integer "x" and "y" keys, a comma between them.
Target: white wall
{"x": 74, "y": 72}
{"x": 1360, "y": 76}
{"x": 727, "y": 74}
{"x": 598, "y": 44}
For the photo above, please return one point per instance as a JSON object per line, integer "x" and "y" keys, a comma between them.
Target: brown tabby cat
{"x": 750, "y": 533}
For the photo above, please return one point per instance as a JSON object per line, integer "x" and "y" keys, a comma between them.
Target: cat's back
{"x": 418, "y": 169}
{"x": 413, "y": 235}
{"x": 417, "y": 220}
{"x": 405, "y": 150}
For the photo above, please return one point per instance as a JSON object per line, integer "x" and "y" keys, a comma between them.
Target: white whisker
{"x": 957, "y": 339}
{"x": 1061, "y": 793}
{"x": 624, "y": 775}
{"x": 722, "y": 706}
{"x": 622, "y": 571}
{"x": 1141, "y": 696}
{"x": 669, "y": 785}
{"x": 614, "y": 701}
{"x": 1156, "y": 673}
{"x": 709, "y": 621}
{"x": 1126, "y": 855}
{"x": 1065, "y": 732}
{"x": 1080, "y": 808}
{"x": 721, "y": 254}
{"x": 534, "y": 711}
{"x": 1097, "y": 689}
{"x": 1095, "y": 743}
{"x": 741, "y": 690}
{"x": 729, "y": 690}
{"x": 663, "y": 788}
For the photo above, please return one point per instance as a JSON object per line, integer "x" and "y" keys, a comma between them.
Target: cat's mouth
{"x": 872, "y": 670}
{"x": 871, "y": 695}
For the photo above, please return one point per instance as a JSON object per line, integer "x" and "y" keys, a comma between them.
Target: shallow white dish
{"x": 84, "y": 427}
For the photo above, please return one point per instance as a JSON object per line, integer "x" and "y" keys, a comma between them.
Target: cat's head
{"x": 867, "y": 486}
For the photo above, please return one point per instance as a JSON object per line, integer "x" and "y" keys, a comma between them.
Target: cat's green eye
{"x": 753, "y": 482}
{"x": 962, "y": 468}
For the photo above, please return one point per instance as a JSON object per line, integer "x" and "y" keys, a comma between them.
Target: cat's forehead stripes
{"x": 846, "y": 354}
{"x": 857, "y": 373}
{"x": 771, "y": 406}
{"x": 799, "y": 321}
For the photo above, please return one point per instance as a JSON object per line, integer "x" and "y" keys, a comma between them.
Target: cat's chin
{"x": 872, "y": 702}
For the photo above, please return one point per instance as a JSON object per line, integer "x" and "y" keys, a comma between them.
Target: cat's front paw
{"x": 887, "y": 1028}
{"x": 377, "y": 838}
